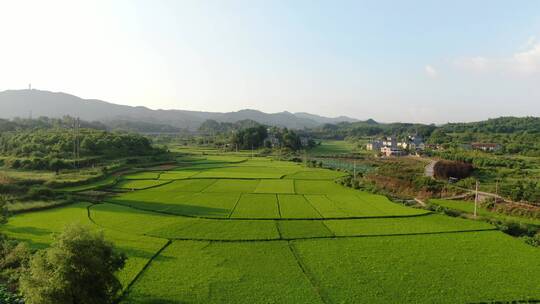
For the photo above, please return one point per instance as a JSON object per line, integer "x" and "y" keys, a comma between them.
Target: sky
{"x": 409, "y": 61}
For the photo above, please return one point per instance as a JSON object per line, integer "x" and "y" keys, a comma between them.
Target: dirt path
{"x": 429, "y": 171}
{"x": 421, "y": 202}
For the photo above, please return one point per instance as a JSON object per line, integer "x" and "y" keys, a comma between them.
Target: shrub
{"x": 534, "y": 240}
{"x": 40, "y": 192}
{"x": 445, "y": 169}
{"x": 79, "y": 267}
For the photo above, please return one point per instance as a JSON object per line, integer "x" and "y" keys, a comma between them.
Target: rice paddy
{"x": 238, "y": 230}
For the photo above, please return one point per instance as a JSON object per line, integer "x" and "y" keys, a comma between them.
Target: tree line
{"x": 52, "y": 149}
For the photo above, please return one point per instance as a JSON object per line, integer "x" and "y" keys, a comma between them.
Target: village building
{"x": 389, "y": 151}
{"x": 272, "y": 141}
{"x": 390, "y": 142}
{"x": 416, "y": 142}
{"x": 375, "y": 145}
{"x": 403, "y": 145}
{"x": 487, "y": 147}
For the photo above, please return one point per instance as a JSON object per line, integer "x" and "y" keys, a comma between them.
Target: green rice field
{"x": 231, "y": 229}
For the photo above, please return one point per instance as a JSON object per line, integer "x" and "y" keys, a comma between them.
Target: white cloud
{"x": 530, "y": 42}
{"x": 477, "y": 64}
{"x": 524, "y": 62}
{"x": 430, "y": 71}
{"x": 528, "y": 61}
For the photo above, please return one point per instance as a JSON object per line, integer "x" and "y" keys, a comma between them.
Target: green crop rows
{"x": 235, "y": 230}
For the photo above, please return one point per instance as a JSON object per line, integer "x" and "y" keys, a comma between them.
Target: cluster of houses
{"x": 390, "y": 146}
{"x": 486, "y": 147}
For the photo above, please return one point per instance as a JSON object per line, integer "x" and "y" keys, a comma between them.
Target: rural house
{"x": 375, "y": 145}
{"x": 487, "y": 147}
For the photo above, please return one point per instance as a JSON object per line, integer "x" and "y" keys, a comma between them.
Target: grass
{"x": 206, "y": 204}
{"x": 468, "y": 207}
{"x": 432, "y": 223}
{"x": 283, "y": 242}
{"x": 326, "y": 207}
{"x": 171, "y": 193}
{"x": 244, "y": 172}
{"x": 256, "y": 206}
{"x": 275, "y": 186}
{"x": 296, "y": 206}
{"x": 20, "y": 206}
{"x": 143, "y": 175}
{"x": 108, "y": 181}
{"x": 351, "y": 205}
{"x": 445, "y": 268}
{"x": 218, "y": 197}
{"x": 65, "y": 176}
{"x": 205, "y": 229}
{"x": 138, "y": 222}
{"x": 174, "y": 227}
{"x": 173, "y": 175}
{"x": 334, "y": 147}
{"x": 182, "y": 199}
{"x": 316, "y": 174}
{"x": 319, "y": 187}
{"x": 233, "y": 186}
{"x": 36, "y": 228}
{"x": 138, "y": 184}
{"x": 303, "y": 229}
{"x": 199, "y": 272}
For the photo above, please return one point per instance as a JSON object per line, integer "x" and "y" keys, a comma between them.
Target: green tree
{"x": 78, "y": 268}
{"x": 56, "y": 164}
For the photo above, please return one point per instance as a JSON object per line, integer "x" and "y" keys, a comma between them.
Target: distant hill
{"x": 23, "y": 103}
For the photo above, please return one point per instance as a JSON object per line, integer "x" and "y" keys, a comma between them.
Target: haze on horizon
{"x": 419, "y": 61}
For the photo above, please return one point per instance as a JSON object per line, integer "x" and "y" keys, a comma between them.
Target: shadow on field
{"x": 136, "y": 253}
{"x": 29, "y": 230}
{"x": 153, "y": 300}
{"x": 175, "y": 209}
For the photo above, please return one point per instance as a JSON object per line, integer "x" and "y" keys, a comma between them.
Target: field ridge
{"x": 139, "y": 274}
{"x": 305, "y": 271}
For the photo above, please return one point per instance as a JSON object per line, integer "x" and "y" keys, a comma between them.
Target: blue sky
{"x": 422, "y": 61}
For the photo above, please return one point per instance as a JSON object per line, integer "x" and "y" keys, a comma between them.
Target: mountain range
{"x": 25, "y": 103}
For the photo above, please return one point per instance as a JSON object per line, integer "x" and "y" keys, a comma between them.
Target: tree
{"x": 250, "y": 137}
{"x": 56, "y": 164}
{"x": 78, "y": 268}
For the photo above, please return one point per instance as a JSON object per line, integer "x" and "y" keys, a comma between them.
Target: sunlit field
{"x": 238, "y": 229}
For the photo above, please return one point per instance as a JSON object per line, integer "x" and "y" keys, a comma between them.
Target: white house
{"x": 390, "y": 142}
{"x": 389, "y": 151}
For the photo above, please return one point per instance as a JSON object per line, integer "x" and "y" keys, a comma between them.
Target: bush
{"x": 513, "y": 228}
{"x": 445, "y": 169}
{"x": 534, "y": 240}
{"x": 7, "y": 297}
{"x": 40, "y": 192}
{"x": 78, "y": 267}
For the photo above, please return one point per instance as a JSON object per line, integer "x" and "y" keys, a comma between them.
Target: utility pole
{"x": 476, "y": 200}
{"x": 354, "y": 169}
